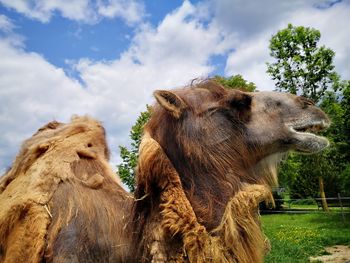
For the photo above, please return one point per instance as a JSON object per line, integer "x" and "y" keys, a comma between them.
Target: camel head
{"x": 250, "y": 125}
{"x": 282, "y": 122}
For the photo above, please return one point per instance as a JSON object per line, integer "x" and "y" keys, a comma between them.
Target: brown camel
{"x": 61, "y": 202}
{"x": 208, "y": 157}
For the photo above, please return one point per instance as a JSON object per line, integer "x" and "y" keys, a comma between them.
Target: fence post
{"x": 341, "y": 207}
{"x": 323, "y": 195}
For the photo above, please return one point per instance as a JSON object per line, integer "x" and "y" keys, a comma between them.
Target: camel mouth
{"x": 305, "y": 138}
{"x": 313, "y": 127}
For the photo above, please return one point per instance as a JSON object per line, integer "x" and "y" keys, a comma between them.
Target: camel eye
{"x": 212, "y": 110}
{"x": 305, "y": 102}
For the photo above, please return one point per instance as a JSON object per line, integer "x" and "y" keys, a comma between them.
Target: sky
{"x": 104, "y": 58}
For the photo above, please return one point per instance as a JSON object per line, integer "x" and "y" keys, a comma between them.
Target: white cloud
{"x": 249, "y": 18}
{"x": 6, "y": 32}
{"x": 333, "y": 24}
{"x": 88, "y": 11}
{"x": 6, "y": 24}
{"x": 252, "y": 51}
{"x": 130, "y": 11}
{"x": 171, "y": 54}
{"x": 43, "y": 10}
{"x": 179, "y": 38}
{"x": 249, "y": 59}
{"x": 32, "y": 91}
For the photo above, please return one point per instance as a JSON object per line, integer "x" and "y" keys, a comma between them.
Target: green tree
{"x": 126, "y": 169}
{"x": 344, "y": 138}
{"x": 301, "y": 173}
{"x": 345, "y": 103}
{"x": 301, "y": 66}
{"x": 288, "y": 170}
{"x": 236, "y": 82}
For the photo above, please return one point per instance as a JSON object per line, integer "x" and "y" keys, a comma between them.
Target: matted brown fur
{"x": 61, "y": 201}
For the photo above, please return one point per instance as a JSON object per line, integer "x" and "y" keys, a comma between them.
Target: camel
{"x": 61, "y": 201}
{"x": 207, "y": 159}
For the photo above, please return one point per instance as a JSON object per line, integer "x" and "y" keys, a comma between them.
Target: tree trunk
{"x": 323, "y": 195}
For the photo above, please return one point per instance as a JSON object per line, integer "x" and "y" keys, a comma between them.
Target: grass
{"x": 294, "y": 238}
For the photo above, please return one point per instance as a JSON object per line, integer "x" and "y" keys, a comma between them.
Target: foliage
{"x": 126, "y": 169}
{"x": 288, "y": 170}
{"x": 278, "y": 198}
{"x": 301, "y": 67}
{"x": 343, "y": 139}
{"x": 294, "y": 238}
{"x": 331, "y": 163}
{"x": 345, "y": 104}
{"x": 307, "y": 203}
{"x": 345, "y": 181}
{"x": 236, "y": 82}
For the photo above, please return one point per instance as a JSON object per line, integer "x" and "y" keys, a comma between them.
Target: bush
{"x": 277, "y": 196}
{"x": 308, "y": 201}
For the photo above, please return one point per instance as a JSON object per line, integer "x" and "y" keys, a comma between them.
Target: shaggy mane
{"x": 237, "y": 238}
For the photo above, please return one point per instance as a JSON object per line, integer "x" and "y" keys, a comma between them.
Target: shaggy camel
{"x": 61, "y": 202}
{"x": 207, "y": 158}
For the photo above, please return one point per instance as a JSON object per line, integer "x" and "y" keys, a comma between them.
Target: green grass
{"x": 294, "y": 238}
{"x": 296, "y": 206}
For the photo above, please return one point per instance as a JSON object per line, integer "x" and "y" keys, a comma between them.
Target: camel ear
{"x": 241, "y": 103}
{"x": 171, "y": 102}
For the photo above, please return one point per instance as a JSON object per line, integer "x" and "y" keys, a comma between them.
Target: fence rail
{"x": 309, "y": 199}
{"x": 337, "y": 205}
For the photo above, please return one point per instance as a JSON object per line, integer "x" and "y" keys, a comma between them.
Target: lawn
{"x": 296, "y": 237}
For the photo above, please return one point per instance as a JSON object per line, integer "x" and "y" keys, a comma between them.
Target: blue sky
{"x": 60, "y": 39}
{"x": 104, "y": 58}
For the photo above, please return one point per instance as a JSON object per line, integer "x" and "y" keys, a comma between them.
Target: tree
{"x": 345, "y": 103}
{"x": 236, "y": 82}
{"x": 126, "y": 169}
{"x": 302, "y": 172}
{"x": 344, "y": 141}
{"x": 301, "y": 67}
